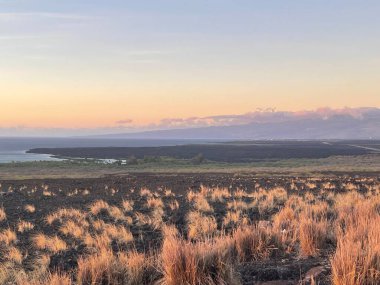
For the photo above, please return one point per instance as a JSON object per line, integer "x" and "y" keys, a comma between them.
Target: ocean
{"x": 14, "y": 149}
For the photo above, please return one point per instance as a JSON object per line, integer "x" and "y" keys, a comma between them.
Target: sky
{"x": 91, "y": 64}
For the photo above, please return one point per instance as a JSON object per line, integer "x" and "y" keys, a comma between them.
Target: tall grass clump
{"x": 101, "y": 268}
{"x": 254, "y": 243}
{"x": 357, "y": 256}
{"x": 207, "y": 262}
{"x": 3, "y": 215}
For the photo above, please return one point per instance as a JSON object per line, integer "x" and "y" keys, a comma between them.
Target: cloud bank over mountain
{"x": 323, "y": 123}
{"x": 326, "y": 123}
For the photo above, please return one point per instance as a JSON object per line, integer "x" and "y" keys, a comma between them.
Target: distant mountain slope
{"x": 361, "y": 123}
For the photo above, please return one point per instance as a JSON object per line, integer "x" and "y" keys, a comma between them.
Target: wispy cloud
{"x": 124, "y": 122}
{"x": 7, "y": 16}
{"x": 148, "y": 52}
{"x": 56, "y": 132}
{"x": 19, "y": 37}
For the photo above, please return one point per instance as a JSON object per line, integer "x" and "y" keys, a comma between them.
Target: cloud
{"x": 267, "y": 115}
{"x": 148, "y": 52}
{"x": 257, "y": 116}
{"x": 124, "y": 122}
{"x": 219, "y": 120}
{"x": 11, "y": 16}
{"x": 19, "y": 131}
{"x": 19, "y": 37}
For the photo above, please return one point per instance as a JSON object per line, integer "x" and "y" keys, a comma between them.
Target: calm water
{"x": 14, "y": 149}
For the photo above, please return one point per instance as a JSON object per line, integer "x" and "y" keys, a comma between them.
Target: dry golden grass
{"x": 328, "y": 185}
{"x": 116, "y": 213}
{"x": 10, "y": 274}
{"x": 240, "y": 193}
{"x": 101, "y": 268}
{"x": 47, "y": 193}
{"x": 156, "y": 218}
{"x": 243, "y": 227}
{"x": 219, "y": 194}
{"x": 145, "y": 192}
{"x": 285, "y": 226}
{"x": 201, "y": 204}
{"x": 200, "y": 226}
{"x": 37, "y": 274}
{"x": 14, "y": 254}
{"x": 127, "y": 205}
{"x": 75, "y": 229}
{"x": 29, "y": 208}
{"x": 141, "y": 268}
{"x": 237, "y": 205}
{"x": 191, "y": 195}
{"x": 8, "y": 237}
{"x": 204, "y": 190}
{"x": 189, "y": 263}
{"x": 142, "y": 219}
{"x": 280, "y": 195}
{"x": 65, "y": 214}
{"x": 53, "y": 244}
{"x": 319, "y": 210}
{"x": 350, "y": 186}
{"x": 174, "y": 205}
{"x": 311, "y": 185}
{"x": 254, "y": 243}
{"x": 111, "y": 191}
{"x": 234, "y": 218}
{"x": 58, "y": 279}
{"x": 98, "y": 242}
{"x": 154, "y": 203}
{"x": 107, "y": 233}
{"x": 312, "y": 235}
{"x": 357, "y": 257}
{"x": 24, "y": 226}
{"x": 118, "y": 233}
{"x": 295, "y": 202}
{"x": 168, "y": 193}
{"x": 267, "y": 205}
{"x": 41, "y": 262}
{"x": 284, "y": 219}
{"x": 3, "y": 215}
{"x": 98, "y": 225}
{"x": 270, "y": 200}
{"x": 123, "y": 269}
{"x": 135, "y": 263}
{"x": 72, "y": 193}
{"x": 309, "y": 197}
{"x": 98, "y": 206}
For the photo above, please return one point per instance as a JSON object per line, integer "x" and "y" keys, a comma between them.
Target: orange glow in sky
{"x": 69, "y": 65}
